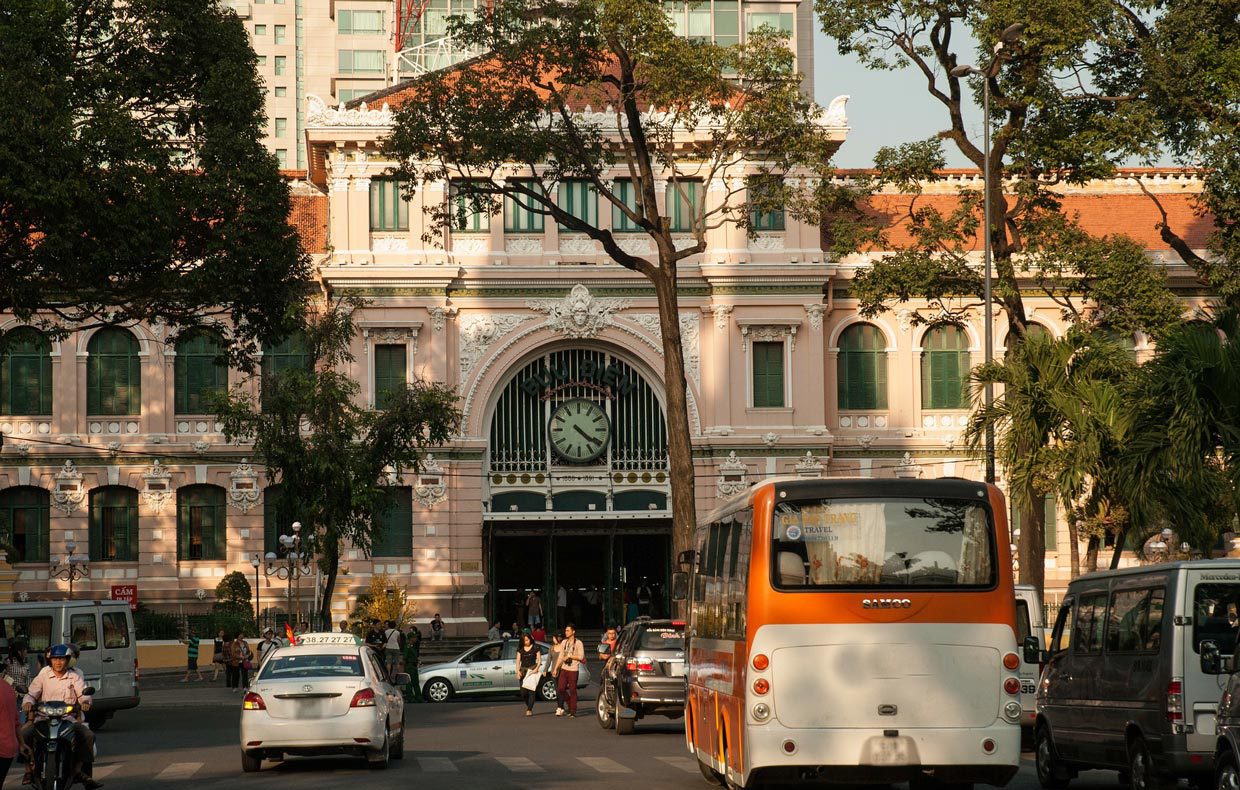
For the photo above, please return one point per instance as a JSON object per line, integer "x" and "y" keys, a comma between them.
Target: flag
{"x": 288, "y": 632}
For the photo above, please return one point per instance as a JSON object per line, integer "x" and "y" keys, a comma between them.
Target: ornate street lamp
{"x": 257, "y": 562}
{"x": 75, "y": 566}
{"x": 296, "y": 564}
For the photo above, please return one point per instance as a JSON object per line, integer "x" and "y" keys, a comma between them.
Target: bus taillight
{"x": 1011, "y": 662}
{"x": 761, "y": 662}
{"x": 761, "y": 686}
{"x": 1012, "y": 685}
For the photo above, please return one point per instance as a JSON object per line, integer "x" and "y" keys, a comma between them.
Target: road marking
{"x": 440, "y": 765}
{"x": 685, "y": 764}
{"x": 605, "y": 765}
{"x": 179, "y": 771}
{"x": 102, "y": 771}
{"x": 520, "y": 765}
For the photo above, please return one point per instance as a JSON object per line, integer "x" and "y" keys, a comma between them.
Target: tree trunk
{"x": 1033, "y": 541}
{"x": 1120, "y": 539}
{"x": 679, "y": 444}
{"x": 331, "y": 566}
{"x": 1074, "y": 541}
{"x": 1091, "y": 554}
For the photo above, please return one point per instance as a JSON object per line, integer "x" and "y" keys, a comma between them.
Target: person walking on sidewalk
{"x": 239, "y": 657}
{"x": 217, "y": 655}
{"x": 529, "y": 660}
{"x": 557, "y": 650}
{"x": 191, "y": 656}
{"x": 572, "y": 656}
{"x": 393, "y": 646}
{"x": 533, "y": 605}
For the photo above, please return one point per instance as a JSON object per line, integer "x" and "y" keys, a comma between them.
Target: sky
{"x": 886, "y": 108}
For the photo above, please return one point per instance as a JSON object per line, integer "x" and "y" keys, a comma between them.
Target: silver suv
{"x": 646, "y": 676}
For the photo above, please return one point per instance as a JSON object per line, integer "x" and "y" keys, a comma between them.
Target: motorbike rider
{"x": 57, "y": 682}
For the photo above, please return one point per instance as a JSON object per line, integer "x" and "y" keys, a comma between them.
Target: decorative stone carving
{"x": 200, "y": 447}
{"x": 767, "y": 242}
{"x": 471, "y": 245}
{"x": 648, "y": 322}
{"x": 837, "y": 112}
{"x": 114, "y": 448}
{"x": 577, "y": 245}
{"x": 809, "y": 466}
{"x": 157, "y": 487}
{"x": 69, "y": 493}
{"x": 431, "y": 488}
{"x": 770, "y": 439}
{"x": 815, "y": 313}
{"x": 523, "y": 245}
{"x": 389, "y": 244}
{"x": 439, "y": 316}
{"x": 683, "y": 242}
{"x": 243, "y": 493}
{"x": 318, "y": 113}
{"x": 908, "y": 467}
{"x": 721, "y": 313}
{"x": 392, "y": 334}
{"x": 950, "y": 442}
{"x": 733, "y": 477}
{"x": 636, "y": 245}
{"x": 904, "y": 319}
{"x": 768, "y": 333}
{"x": 865, "y": 440}
{"x": 478, "y": 332}
{"x": 690, "y": 339}
{"x": 578, "y": 315}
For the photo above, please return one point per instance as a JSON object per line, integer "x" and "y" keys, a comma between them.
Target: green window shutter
{"x": 682, "y": 205}
{"x": 394, "y": 534}
{"x": 945, "y": 368}
{"x": 389, "y": 211}
{"x": 771, "y": 219}
{"x": 768, "y": 375}
{"x": 626, "y": 193}
{"x": 518, "y": 216}
{"x": 390, "y": 374}
{"x": 464, "y": 218}
{"x": 880, "y": 377}
{"x": 113, "y": 374}
{"x": 579, "y": 198}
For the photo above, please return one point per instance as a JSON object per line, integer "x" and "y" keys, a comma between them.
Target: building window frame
{"x": 25, "y": 373}
{"x": 518, "y": 218}
{"x": 861, "y": 368}
{"x": 202, "y": 523}
{"x": 389, "y": 210}
{"x": 941, "y": 388}
{"x": 113, "y": 374}
{"x": 25, "y": 523}
{"x": 114, "y": 524}
{"x": 464, "y": 218}
{"x": 394, "y": 535}
{"x": 198, "y": 371}
{"x": 684, "y": 204}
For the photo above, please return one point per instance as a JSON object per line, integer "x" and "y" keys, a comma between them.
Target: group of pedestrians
{"x": 567, "y": 654}
{"x": 397, "y": 650}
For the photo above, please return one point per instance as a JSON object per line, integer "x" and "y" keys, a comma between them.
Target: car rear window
{"x": 662, "y": 639}
{"x": 295, "y": 667}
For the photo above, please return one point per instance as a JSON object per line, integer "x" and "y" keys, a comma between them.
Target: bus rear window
{"x": 882, "y": 543}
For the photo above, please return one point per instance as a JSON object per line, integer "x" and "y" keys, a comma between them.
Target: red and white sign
{"x": 126, "y": 592}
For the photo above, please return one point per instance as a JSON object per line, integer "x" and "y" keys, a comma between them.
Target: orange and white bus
{"x": 854, "y": 630}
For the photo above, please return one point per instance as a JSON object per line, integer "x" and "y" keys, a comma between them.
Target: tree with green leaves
{"x": 335, "y": 459}
{"x": 134, "y": 183}
{"x": 582, "y": 93}
{"x": 234, "y": 590}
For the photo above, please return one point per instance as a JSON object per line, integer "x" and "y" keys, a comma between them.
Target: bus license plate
{"x": 887, "y": 751}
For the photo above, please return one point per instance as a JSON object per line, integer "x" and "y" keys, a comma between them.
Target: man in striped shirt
{"x": 191, "y": 656}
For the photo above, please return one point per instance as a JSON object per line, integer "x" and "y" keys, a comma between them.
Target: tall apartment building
{"x": 341, "y": 50}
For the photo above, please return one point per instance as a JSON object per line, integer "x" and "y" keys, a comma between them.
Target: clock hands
{"x": 588, "y": 437}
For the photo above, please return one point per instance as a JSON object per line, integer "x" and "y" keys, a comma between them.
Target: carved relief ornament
{"x": 578, "y": 315}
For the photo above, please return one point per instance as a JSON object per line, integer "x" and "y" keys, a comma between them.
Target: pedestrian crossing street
{"x": 425, "y": 763}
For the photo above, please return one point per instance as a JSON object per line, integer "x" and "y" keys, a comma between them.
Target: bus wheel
{"x": 709, "y": 774}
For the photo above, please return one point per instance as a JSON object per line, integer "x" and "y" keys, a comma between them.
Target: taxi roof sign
{"x": 330, "y": 638}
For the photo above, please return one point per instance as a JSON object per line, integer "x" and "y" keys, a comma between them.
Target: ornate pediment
{"x": 579, "y": 314}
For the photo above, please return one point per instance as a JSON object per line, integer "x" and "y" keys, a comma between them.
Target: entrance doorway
{"x": 609, "y": 574}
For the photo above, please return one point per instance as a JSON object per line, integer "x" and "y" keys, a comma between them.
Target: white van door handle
{"x": 108, "y": 660}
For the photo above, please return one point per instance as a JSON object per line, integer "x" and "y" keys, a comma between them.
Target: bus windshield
{"x": 882, "y": 542}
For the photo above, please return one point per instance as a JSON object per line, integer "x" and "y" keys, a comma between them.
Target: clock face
{"x": 580, "y": 430}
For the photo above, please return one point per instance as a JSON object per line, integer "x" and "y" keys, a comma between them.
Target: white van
{"x": 1030, "y": 621}
{"x": 104, "y": 634}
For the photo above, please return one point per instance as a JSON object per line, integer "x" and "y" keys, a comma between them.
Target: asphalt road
{"x": 189, "y": 734}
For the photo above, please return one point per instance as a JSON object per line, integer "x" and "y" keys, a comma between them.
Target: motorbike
{"x": 52, "y": 757}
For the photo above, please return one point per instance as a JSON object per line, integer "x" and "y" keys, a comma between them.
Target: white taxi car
{"x": 327, "y": 694}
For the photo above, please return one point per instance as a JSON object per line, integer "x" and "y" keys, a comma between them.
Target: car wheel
{"x": 605, "y": 716}
{"x": 251, "y": 762}
{"x": 624, "y": 724}
{"x": 547, "y": 690}
{"x": 398, "y": 746}
{"x": 1226, "y": 776}
{"x": 437, "y": 690}
{"x": 1051, "y": 774}
{"x": 1141, "y": 767}
{"x": 379, "y": 760}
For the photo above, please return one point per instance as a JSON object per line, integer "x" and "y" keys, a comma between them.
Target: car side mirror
{"x": 1211, "y": 659}
{"x": 88, "y": 691}
{"x": 1032, "y": 648}
{"x": 402, "y": 679}
{"x": 680, "y": 586}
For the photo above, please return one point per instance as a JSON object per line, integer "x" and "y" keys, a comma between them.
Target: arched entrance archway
{"x": 576, "y": 490}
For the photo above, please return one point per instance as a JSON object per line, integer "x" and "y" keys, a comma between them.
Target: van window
{"x": 1215, "y": 615}
{"x": 1061, "y": 636}
{"x": 115, "y": 630}
{"x": 36, "y": 632}
{"x": 1023, "y": 628}
{"x": 85, "y": 634}
{"x": 1135, "y": 622}
{"x": 1090, "y": 619}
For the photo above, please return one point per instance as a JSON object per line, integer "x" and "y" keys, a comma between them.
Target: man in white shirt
{"x": 393, "y": 641}
{"x": 58, "y": 683}
{"x": 268, "y": 644}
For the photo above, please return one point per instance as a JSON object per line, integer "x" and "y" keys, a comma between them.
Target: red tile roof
{"x": 309, "y": 216}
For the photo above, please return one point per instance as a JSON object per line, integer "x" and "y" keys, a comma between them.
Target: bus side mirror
{"x": 680, "y": 586}
{"x": 1211, "y": 659}
{"x": 686, "y": 559}
{"x": 1032, "y": 648}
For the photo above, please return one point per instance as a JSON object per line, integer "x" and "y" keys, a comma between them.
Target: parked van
{"x": 1123, "y": 685}
{"x": 104, "y": 634}
{"x": 1030, "y": 621}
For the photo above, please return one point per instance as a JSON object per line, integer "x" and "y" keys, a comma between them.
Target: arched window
{"x": 113, "y": 374}
{"x": 24, "y": 512}
{"x": 278, "y": 517}
{"x": 200, "y": 370}
{"x": 291, "y": 353}
{"x": 25, "y": 373}
{"x": 861, "y": 371}
{"x": 202, "y": 526}
{"x": 945, "y": 368}
{"x": 394, "y": 525}
{"x": 114, "y": 524}
{"x": 1124, "y": 340}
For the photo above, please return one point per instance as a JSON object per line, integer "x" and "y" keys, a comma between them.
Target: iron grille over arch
{"x": 519, "y": 440}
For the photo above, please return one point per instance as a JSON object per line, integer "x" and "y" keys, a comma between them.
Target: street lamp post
{"x": 257, "y": 561}
{"x": 1009, "y": 34}
{"x": 75, "y": 566}
{"x": 297, "y": 563}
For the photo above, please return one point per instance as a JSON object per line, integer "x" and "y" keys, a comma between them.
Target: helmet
{"x": 60, "y": 651}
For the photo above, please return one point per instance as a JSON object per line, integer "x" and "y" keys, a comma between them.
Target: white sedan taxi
{"x": 325, "y": 695}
